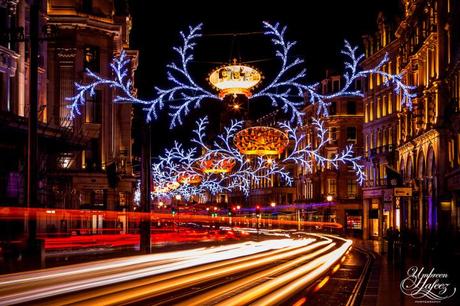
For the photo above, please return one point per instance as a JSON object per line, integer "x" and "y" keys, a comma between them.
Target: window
{"x": 331, "y": 187}
{"x": 351, "y": 133}
{"x": 87, "y": 6}
{"x": 94, "y": 198}
{"x": 351, "y": 107}
{"x": 358, "y": 85}
{"x": 93, "y": 156}
{"x": 336, "y": 85}
{"x": 352, "y": 188}
{"x": 309, "y": 190}
{"x": 330, "y": 155}
{"x": 333, "y": 134}
{"x": 66, "y": 85}
{"x": 99, "y": 197}
{"x": 91, "y": 58}
{"x": 94, "y": 108}
{"x": 333, "y": 108}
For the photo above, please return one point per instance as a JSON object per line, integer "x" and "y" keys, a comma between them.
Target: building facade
{"x": 86, "y": 162}
{"x": 406, "y": 156}
{"x": 329, "y": 193}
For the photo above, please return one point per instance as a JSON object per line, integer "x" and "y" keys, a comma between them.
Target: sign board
{"x": 388, "y": 195}
{"x": 402, "y": 192}
{"x": 372, "y": 193}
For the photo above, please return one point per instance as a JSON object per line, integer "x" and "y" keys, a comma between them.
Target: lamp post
{"x": 329, "y": 199}
{"x": 178, "y": 198}
{"x": 273, "y": 205}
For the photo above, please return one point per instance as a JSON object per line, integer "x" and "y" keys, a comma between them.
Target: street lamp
{"x": 273, "y": 205}
{"x": 329, "y": 199}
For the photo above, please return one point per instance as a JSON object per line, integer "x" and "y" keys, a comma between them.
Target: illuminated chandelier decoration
{"x": 235, "y": 80}
{"x": 261, "y": 141}
{"x": 190, "y": 179}
{"x": 286, "y": 91}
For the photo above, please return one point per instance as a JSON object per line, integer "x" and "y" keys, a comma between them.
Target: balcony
{"x": 388, "y": 151}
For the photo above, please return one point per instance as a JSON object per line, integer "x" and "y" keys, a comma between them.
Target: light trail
{"x": 276, "y": 297}
{"x": 87, "y": 276}
{"x": 238, "y": 285}
{"x": 165, "y": 284}
{"x": 269, "y": 272}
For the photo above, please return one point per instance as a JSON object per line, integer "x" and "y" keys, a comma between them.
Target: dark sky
{"x": 320, "y": 29}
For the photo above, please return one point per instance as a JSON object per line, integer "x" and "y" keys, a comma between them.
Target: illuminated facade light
{"x": 261, "y": 141}
{"x": 235, "y": 80}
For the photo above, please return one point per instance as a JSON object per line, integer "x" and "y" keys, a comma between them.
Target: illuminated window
{"x": 371, "y": 111}
{"x": 451, "y": 153}
{"x": 91, "y": 58}
{"x": 123, "y": 198}
{"x": 308, "y": 190}
{"x": 331, "y": 186}
{"x": 352, "y": 188}
{"x": 384, "y": 106}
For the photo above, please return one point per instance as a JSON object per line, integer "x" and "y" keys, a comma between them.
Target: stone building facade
{"x": 331, "y": 194}
{"x": 407, "y": 151}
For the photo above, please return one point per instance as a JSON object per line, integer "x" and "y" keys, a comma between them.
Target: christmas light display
{"x": 286, "y": 91}
{"x": 245, "y": 171}
{"x": 239, "y": 158}
{"x": 121, "y": 82}
{"x": 261, "y": 140}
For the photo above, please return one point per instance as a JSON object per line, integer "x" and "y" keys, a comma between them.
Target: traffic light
{"x": 229, "y": 213}
{"x": 173, "y": 211}
{"x": 258, "y": 210}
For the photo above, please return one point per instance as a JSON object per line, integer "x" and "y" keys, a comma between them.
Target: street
{"x": 269, "y": 272}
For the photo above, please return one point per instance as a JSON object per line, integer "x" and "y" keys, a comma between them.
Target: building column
{"x": 365, "y": 223}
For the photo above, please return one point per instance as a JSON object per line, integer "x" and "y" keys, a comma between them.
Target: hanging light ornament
{"x": 261, "y": 141}
{"x": 217, "y": 163}
{"x": 235, "y": 79}
{"x": 172, "y": 185}
{"x": 189, "y": 178}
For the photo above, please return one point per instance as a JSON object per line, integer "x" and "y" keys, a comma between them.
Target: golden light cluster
{"x": 190, "y": 179}
{"x": 217, "y": 163}
{"x": 261, "y": 141}
{"x": 235, "y": 79}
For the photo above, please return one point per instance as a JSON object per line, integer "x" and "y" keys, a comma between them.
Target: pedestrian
{"x": 390, "y": 238}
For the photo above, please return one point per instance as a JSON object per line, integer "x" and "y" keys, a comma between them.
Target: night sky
{"x": 319, "y": 30}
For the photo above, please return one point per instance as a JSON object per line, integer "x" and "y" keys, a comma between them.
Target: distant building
{"x": 271, "y": 190}
{"x": 85, "y": 163}
{"x": 408, "y": 153}
{"x": 101, "y": 175}
{"x": 333, "y": 194}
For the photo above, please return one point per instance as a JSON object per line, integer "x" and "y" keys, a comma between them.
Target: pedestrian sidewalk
{"x": 387, "y": 271}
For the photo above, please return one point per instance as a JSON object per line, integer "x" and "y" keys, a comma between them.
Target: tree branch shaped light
{"x": 120, "y": 81}
{"x": 286, "y": 91}
{"x": 245, "y": 171}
